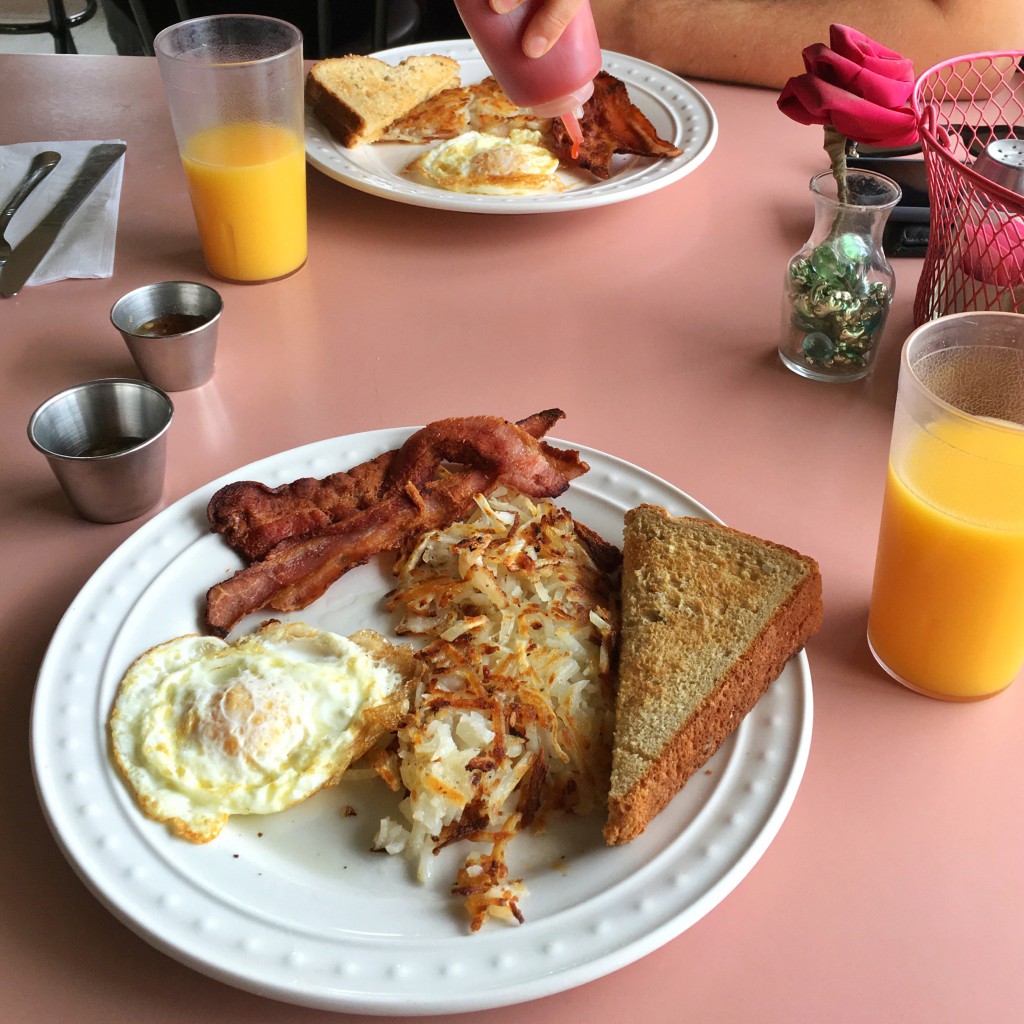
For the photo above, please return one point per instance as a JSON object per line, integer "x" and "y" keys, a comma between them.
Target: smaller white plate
{"x": 678, "y": 112}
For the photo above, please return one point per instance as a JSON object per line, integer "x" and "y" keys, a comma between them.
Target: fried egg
{"x": 202, "y": 728}
{"x": 492, "y": 164}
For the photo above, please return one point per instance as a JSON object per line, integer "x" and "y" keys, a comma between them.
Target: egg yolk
{"x": 251, "y": 719}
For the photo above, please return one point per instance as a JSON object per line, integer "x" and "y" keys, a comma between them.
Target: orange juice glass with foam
{"x": 234, "y": 87}
{"x": 947, "y": 604}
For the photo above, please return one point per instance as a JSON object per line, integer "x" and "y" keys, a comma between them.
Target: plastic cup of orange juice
{"x": 234, "y": 85}
{"x": 947, "y": 605}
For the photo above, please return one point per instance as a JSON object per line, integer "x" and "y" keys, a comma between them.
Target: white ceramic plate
{"x": 678, "y": 112}
{"x": 294, "y": 906}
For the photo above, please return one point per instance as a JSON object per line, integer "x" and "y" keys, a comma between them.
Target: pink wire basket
{"x": 975, "y": 256}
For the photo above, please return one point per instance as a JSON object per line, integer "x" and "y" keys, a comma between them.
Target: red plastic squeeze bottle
{"x": 555, "y": 85}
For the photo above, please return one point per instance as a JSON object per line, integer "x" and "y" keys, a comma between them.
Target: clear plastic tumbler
{"x": 947, "y": 607}
{"x": 234, "y": 84}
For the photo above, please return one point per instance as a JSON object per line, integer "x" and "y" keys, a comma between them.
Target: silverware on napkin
{"x": 36, "y": 244}
{"x": 42, "y": 164}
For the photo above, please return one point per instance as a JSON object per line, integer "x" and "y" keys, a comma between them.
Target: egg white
{"x": 203, "y": 729}
{"x": 490, "y": 164}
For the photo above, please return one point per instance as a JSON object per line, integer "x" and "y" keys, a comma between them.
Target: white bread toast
{"x": 709, "y": 618}
{"x": 357, "y": 97}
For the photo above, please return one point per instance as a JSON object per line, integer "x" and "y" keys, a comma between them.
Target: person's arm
{"x": 759, "y": 42}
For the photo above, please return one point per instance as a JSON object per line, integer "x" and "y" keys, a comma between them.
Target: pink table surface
{"x": 894, "y": 888}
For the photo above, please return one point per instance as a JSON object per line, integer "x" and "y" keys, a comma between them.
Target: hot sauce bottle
{"x": 555, "y": 85}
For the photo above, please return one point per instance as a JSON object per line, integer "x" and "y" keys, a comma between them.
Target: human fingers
{"x": 547, "y": 24}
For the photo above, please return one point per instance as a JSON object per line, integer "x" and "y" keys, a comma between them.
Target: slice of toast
{"x": 357, "y": 97}
{"x": 709, "y": 618}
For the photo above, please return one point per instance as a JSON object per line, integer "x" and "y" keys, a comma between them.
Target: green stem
{"x": 835, "y": 146}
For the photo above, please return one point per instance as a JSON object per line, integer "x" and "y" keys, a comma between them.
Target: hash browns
{"x": 515, "y": 715}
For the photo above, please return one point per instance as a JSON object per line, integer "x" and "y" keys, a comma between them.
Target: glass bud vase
{"x": 839, "y": 286}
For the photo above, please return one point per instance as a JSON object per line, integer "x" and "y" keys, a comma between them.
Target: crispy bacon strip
{"x": 299, "y": 570}
{"x": 254, "y": 518}
{"x": 611, "y": 124}
{"x": 485, "y": 442}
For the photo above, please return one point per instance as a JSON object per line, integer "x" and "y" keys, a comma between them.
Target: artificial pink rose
{"x": 858, "y": 87}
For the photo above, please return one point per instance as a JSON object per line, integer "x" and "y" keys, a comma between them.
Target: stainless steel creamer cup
{"x": 170, "y": 329}
{"x": 106, "y": 442}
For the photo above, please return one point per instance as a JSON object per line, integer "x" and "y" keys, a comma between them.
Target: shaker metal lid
{"x": 1002, "y": 162}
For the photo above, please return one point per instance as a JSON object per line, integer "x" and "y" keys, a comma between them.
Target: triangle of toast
{"x": 709, "y": 618}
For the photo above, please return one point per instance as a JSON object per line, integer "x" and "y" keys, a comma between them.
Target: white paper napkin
{"x": 85, "y": 245}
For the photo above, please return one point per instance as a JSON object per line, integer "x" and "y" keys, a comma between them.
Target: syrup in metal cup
{"x": 234, "y": 84}
{"x": 947, "y": 606}
{"x": 106, "y": 442}
{"x": 170, "y": 329}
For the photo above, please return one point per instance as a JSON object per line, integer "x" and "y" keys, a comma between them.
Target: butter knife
{"x": 39, "y": 168}
{"x": 36, "y": 244}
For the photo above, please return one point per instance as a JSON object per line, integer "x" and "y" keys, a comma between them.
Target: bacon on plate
{"x": 493, "y": 451}
{"x": 254, "y": 518}
{"x": 611, "y": 124}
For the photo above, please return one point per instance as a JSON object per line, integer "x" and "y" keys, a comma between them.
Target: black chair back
{"x": 329, "y": 27}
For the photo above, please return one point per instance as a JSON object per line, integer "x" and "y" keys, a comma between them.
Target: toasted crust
{"x": 710, "y": 616}
{"x": 357, "y": 97}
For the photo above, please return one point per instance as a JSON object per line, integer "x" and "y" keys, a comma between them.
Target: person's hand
{"x": 546, "y": 25}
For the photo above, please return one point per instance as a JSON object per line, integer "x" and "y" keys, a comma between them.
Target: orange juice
{"x": 248, "y": 186}
{"x": 947, "y": 608}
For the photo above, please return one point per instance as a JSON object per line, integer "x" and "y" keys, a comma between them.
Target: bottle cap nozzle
{"x": 571, "y": 103}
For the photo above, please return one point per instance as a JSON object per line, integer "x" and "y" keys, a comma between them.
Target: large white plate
{"x": 678, "y": 112}
{"x": 294, "y": 906}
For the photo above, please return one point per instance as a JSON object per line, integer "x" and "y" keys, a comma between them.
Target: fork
{"x": 42, "y": 164}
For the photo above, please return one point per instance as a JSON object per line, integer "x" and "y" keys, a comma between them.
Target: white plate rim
{"x": 679, "y": 111}
{"x": 756, "y": 777}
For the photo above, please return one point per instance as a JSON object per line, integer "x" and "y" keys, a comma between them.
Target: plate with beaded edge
{"x": 679, "y": 113}
{"x": 294, "y": 906}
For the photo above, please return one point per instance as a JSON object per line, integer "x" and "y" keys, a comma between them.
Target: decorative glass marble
{"x": 839, "y": 286}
